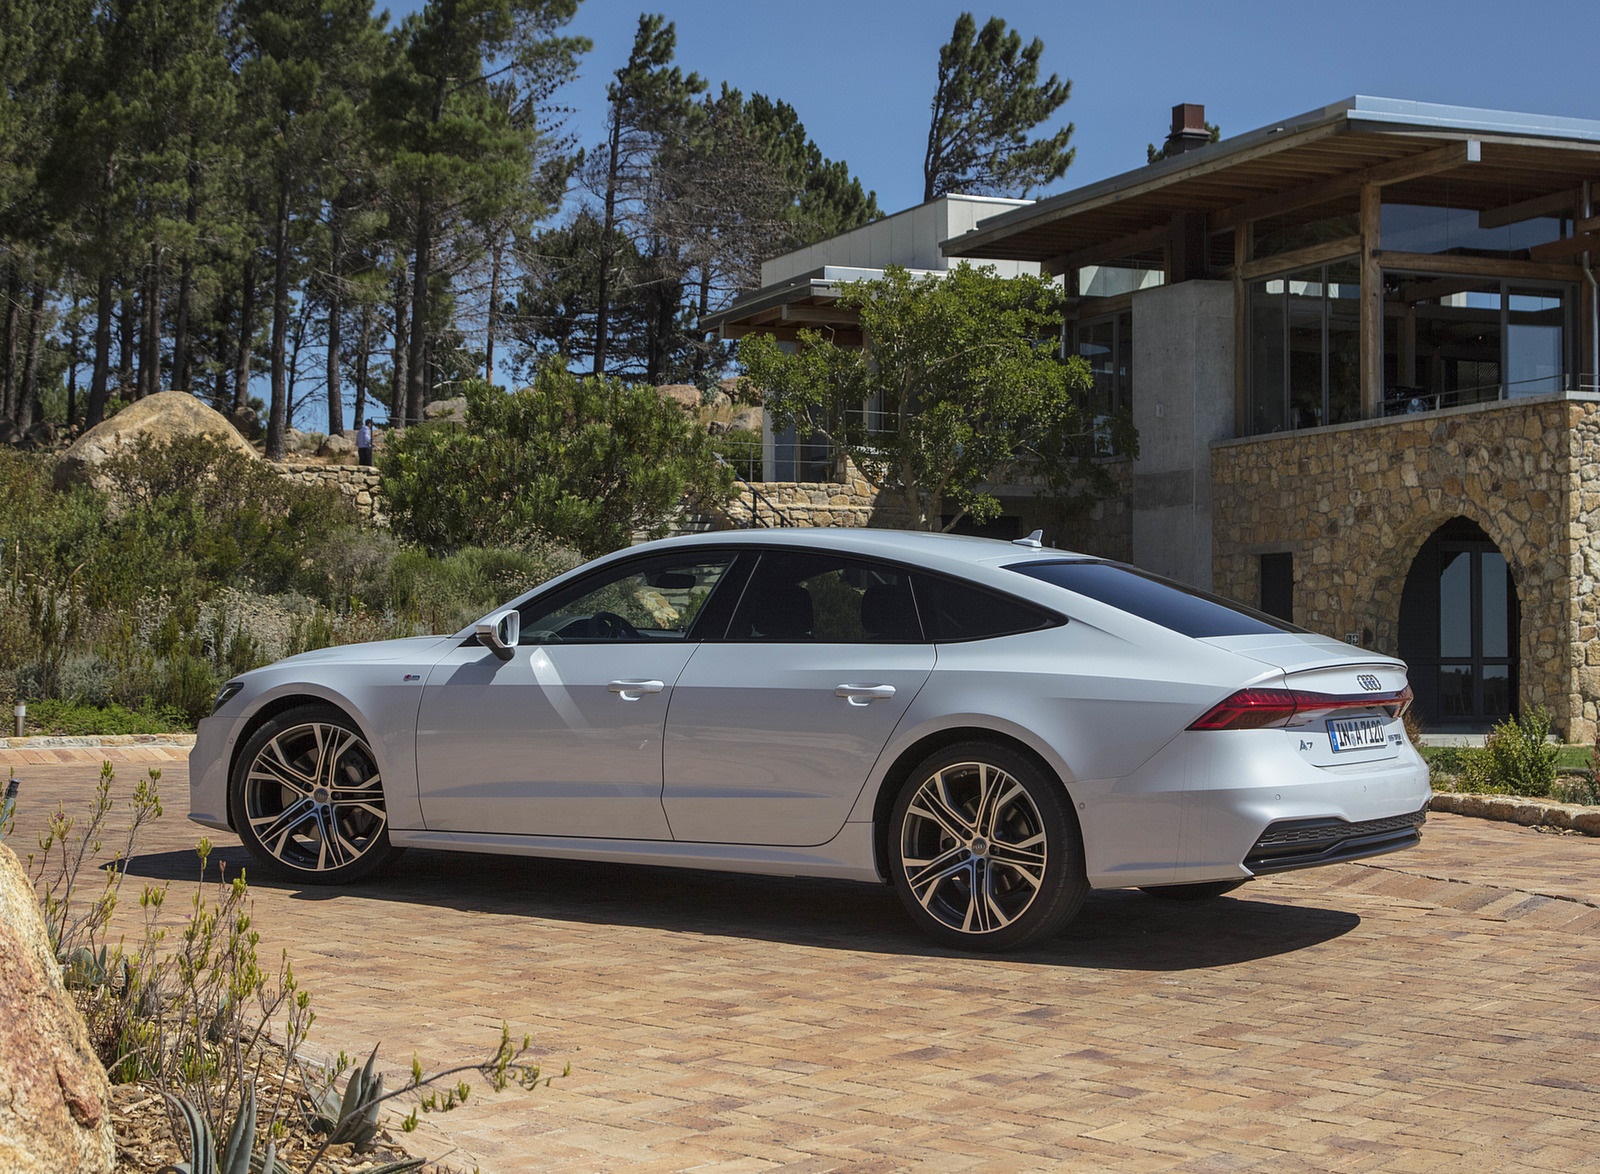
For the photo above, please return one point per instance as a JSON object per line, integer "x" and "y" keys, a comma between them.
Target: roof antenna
{"x": 1034, "y": 540}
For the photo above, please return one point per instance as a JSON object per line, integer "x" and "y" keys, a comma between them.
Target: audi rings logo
{"x": 1369, "y": 682}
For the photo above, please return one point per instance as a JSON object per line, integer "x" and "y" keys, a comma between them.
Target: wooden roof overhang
{"x": 782, "y": 311}
{"x": 1506, "y": 167}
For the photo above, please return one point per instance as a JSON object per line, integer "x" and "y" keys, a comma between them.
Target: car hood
{"x": 377, "y": 651}
{"x": 1295, "y": 652}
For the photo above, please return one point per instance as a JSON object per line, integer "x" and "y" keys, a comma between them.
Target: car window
{"x": 952, "y": 610}
{"x": 654, "y": 600}
{"x": 1161, "y": 601}
{"x": 798, "y": 596}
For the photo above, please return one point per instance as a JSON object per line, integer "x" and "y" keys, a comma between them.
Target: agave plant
{"x": 235, "y": 1155}
{"x": 354, "y": 1117}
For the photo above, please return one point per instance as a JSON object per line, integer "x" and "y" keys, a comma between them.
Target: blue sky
{"x": 861, "y": 73}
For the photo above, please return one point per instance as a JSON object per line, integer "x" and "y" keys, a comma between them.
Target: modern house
{"x": 1359, "y": 347}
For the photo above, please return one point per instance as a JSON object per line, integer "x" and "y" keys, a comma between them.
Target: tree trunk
{"x": 402, "y": 344}
{"x": 28, "y": 401}
{"x": 363, "y": 358}
{"x": 278, "y": 414}
{"x": 416, "y": 368}
{"x": 128, "y": 328}
{"x": 103, "y": 308}
{"x": 180, "y": 340}
{"x": 494, "y": 302}
{"x": 73, "y": 341}
{"x": 702, "y": 352}
{"x": 602, "y": 315}
{"x": 335, "y": 311}
{"x": 150, "y": 357}
{"x": 247, "y": 334}
{"x": 13, "y": 327}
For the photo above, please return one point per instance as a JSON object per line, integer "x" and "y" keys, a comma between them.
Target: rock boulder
{"x": 451, "y": 410}
{"x": 685, "y": 395}
{"x": 161, "y": 417}
{"x": 55, "y": 1101}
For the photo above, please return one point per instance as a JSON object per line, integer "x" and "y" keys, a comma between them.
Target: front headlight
{"x": 226, "y": 694}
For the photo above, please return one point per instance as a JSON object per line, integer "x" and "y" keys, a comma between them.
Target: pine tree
{"x": 987, "y": 100}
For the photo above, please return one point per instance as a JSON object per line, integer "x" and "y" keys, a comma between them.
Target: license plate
{"x": 1357, "y": 733}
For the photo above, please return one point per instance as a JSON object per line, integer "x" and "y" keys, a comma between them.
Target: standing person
{"x": 363, "y": 441}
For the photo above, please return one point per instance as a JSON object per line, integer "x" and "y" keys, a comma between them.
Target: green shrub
{"x": 1516, "y": 759}
{"x": 78, "y": 720}
{"x": 587, "y": 461}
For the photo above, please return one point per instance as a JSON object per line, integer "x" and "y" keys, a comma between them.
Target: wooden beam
{"x": 1350, "y": 183}
{"x": 1559, "y": 204}
{"x": 1570, "y": 246}
{"x": 1477, "y": 266}
{"x": 1318, "y": 254}
{"x": 1371, "y": 304}
{"x": 826, "y": 315}
{"x": 974, "y": 243}
{"x": 1123, "y": 246}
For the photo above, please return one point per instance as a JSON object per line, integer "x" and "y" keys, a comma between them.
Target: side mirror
{"x": 499, "y": 633}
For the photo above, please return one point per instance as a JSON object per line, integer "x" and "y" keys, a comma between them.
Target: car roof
{"x": 914, "y": 546}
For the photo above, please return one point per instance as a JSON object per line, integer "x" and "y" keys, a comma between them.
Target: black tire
{"x": 305, "y": 773}
{"x": 1198, "y": 891}
{"x": 958, "y": 807}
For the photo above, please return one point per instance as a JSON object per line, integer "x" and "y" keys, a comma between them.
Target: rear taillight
{"x": 1259, "y": 709}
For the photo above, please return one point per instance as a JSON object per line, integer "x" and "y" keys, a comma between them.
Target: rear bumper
{"x": 1232, "y": 804}
{"x": 1305, "y": 843}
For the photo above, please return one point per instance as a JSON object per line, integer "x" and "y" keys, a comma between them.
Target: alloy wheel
{"x": 973, "y": 848}
{"x": 313, "y": 799}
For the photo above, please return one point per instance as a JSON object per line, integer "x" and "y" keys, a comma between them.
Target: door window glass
{"x": 959, "y": 611}
{"x": 658, "y": 599}
{"x": 800, "y": 597}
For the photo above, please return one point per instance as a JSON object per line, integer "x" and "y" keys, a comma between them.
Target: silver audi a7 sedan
{"x": 995, "y": 728}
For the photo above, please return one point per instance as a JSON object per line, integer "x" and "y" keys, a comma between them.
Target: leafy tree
{"x": 586, "y": 461}
{"x": 987, "y": 100}
{"x": 959, "y": 384}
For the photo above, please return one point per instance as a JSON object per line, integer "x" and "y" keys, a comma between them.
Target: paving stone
{"x": 1430, "y": 1010}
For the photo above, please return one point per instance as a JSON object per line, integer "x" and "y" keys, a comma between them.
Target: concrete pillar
{"x": 1183, "y": 364}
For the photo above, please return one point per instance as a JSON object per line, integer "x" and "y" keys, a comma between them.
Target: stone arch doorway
{"x": 1460, "y": 628}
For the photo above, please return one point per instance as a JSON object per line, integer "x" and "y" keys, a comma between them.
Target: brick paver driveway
{"x": 1429, "y": 1010}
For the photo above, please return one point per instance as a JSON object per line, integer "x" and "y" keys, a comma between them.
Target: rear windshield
{"x": 1161, "y": 601}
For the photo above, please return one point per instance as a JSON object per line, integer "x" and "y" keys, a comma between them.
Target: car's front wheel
{"x": 984, "y": 849}
{"x": 308, "y": 800}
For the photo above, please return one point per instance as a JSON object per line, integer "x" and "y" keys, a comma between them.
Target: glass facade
{"x": 1107, "y": 344}
{"x": 1420, "y": 228}
{"x": 1305, "y": 349}
{"x": 1450, "y": 340}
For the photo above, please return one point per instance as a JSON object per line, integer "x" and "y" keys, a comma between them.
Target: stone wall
{"x": 1355, "y": 503}
{"x": 851, "y": 503}
{"x": 359, "y": 483}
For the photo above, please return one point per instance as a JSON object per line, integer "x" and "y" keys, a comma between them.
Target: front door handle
{"x": 633, "y": 690}
{"x": 864, "y": 694}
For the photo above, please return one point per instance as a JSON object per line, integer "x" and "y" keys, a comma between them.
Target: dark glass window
{"x": 653, "y": 599}
{"x": 1277, "y": 585}
{"x": 1161, "y": 601}
{"x": 802, "y": 597}
{"x": 1305, "y": 349}
{"x": 952, "y": 610}
{"x": 1107, "y": 344}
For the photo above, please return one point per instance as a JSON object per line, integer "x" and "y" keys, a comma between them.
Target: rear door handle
{"x": 864, "y": 694}
{"x": 634, "y": 690}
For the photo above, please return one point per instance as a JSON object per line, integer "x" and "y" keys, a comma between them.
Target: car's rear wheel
{"x": 1198, "y": 891}
{"x": 308, "y": 800}
{"x": 984, "y": 849}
